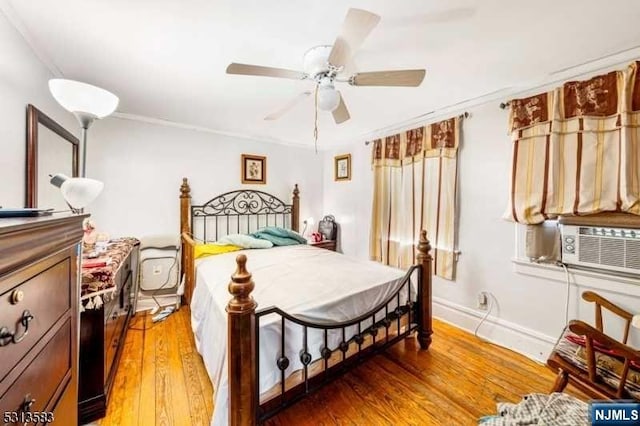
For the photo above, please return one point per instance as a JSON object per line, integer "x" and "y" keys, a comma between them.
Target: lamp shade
{"x": 77, "y": 97}
{"x": 77, "y": 192}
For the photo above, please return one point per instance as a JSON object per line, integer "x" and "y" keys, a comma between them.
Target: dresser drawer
{"x": 44, "y": 293}
{"x": 47, "y": 374}
{"x": 110, "y": 325}
{"x": 111, "y": 345}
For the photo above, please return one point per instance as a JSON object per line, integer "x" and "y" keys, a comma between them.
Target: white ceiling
{"x": 166, "y": 59}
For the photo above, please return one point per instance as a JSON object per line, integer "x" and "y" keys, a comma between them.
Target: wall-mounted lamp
{"x": 308, "y": 221}
{"x": 77, "y": 192}
{"x": 88, "y": 103}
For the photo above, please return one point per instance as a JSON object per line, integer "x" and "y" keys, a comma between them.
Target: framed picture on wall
{"x": 342, "y": 167}
{"x": 254, "y": 169}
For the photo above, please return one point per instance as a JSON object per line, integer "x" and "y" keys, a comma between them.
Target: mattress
{"x": 308, "y": 282}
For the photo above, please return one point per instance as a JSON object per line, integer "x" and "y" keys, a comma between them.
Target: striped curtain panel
{"x": 575, "y": 149}
{"x": 415, "y": 183}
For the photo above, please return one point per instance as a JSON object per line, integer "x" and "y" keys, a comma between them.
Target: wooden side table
{"x": 325, "y": 244}
{"x": 103, "y": 327}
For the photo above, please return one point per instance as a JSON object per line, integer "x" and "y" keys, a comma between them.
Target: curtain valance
{"x": 575, "y": 149}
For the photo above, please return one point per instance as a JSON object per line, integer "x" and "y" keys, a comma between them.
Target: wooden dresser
{"x": 102, "y": 335}
{"x": 39, "y": 290}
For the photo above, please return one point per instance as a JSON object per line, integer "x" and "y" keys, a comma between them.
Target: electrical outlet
{"x": 483, "y": 300}
{"x": 157, "y": 270}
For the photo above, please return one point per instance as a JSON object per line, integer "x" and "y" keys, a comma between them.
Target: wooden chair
{"x": 594, "y": 362}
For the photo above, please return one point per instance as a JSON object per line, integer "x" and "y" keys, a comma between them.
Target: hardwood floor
{"x": 161, "y": 380}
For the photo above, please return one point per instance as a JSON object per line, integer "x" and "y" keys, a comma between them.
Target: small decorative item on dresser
{"x": 254, "y": 169}
{"x": 342, "y": 167}
{"x": 90, "y": 235}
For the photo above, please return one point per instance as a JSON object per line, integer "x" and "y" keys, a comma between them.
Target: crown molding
{"x": 203, "y": 129}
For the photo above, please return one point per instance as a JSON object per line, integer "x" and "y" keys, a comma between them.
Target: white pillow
{"x": 244, "y": 241}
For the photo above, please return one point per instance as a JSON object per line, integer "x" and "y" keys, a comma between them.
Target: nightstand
{"x": 325, "y": 244}
{"x": 104, "y": 325}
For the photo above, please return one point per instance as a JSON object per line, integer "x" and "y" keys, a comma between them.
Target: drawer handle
{"x": 17, "y": 296}
{"x": 7, "y": 337}
{"x": 28, "y": 402}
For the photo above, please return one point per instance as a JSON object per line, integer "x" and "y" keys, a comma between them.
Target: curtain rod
{"x": 465, "y": 114}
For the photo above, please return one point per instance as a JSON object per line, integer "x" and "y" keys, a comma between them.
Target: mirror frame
{"x": 35, "y": 117}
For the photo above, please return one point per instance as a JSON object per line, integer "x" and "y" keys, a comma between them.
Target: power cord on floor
{"x": 155, "y": 292}
{"x": 490, "y": 298}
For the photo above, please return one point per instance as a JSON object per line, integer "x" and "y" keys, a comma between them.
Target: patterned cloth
{"x": 557, "y": 409}
{"x": 608, "y": 367}
{"x": 99, "y": 282}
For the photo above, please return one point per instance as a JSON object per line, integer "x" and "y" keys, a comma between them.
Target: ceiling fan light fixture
{"x": 315, "y": 60}
{"x": 328, "y": 98}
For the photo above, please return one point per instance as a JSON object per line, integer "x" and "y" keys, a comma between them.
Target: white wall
{"x": 23, "y": 81}
{"x": 530, "y": 311}
{"x": 142, "y": 166}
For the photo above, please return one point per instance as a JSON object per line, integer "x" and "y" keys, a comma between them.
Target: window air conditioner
{"x": 601, "y": 248}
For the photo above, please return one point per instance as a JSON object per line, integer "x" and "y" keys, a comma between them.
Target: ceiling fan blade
{"x": 246, "y": 69}
{"x": 341, "y": 114}
{"x": 355, "y": 29}
{"x": 409, "y": 78}
{"x": 293, "y": 102}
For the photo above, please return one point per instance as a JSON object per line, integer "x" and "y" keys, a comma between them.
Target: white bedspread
{"x": 302, "y": 280}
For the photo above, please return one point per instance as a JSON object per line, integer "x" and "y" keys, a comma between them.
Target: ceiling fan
{"x": 325, "y": 64}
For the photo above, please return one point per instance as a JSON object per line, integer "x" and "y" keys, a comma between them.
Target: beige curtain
{"x": 575, "y": 149}
{"x": 415, "y": 179}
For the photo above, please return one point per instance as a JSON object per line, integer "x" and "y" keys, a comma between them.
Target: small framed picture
{"x": 254, "y": 169}
{"x": 342, "y": 167}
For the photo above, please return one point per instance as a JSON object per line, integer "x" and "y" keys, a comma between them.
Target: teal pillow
{"x": 244, "y": 241}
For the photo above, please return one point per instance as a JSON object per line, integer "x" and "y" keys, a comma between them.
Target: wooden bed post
{"x": 295, "y": 209}
{"x": 185, "y": 204}
{"x": 187, "y": 249}
{"x": 425, "y": 329}
{"x": 241, "y": 357}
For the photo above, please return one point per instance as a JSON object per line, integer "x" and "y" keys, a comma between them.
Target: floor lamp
{"x": 77, "y": 192}
{"x": 88, "y": 103}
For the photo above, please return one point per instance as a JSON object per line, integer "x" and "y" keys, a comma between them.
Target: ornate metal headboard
{"x": 240, "y": 211}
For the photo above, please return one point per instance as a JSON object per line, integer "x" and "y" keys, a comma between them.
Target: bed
{"x": 303, "y": 315}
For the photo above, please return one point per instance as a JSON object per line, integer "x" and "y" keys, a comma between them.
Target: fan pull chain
{"x": 315, "y": 128}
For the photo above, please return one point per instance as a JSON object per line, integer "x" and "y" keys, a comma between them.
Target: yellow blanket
{"x": 202, "y": 250}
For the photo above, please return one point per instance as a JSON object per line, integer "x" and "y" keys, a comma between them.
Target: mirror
{"x": 51, "y": 149}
